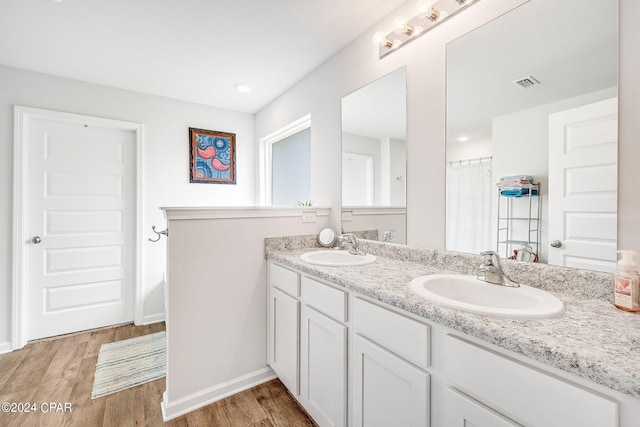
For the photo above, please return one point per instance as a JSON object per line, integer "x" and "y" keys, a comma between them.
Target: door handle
{"x": 555, "y": 243}
{"x": 36, "y": 239}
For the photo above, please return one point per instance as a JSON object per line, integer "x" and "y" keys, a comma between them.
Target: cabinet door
{"x": 323, "y": 368}
{"x": 284, "y": 315}
{"x": 462, "y": 411}
{"x": 387, "y": 391}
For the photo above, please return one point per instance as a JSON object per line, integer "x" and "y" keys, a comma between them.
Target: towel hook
{"x": 164, "y": 232}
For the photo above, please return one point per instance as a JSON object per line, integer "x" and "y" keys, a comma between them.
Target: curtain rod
{"x": 468, "y": 161}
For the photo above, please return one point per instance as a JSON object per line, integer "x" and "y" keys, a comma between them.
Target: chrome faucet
{"x": 349, "y": 242}
{"x": 491, "y": 270}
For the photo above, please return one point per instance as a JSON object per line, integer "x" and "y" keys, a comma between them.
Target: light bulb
{"x": 427, "y": 11}
{"x": 400, "y": 26}
{"x": 380, "y": 39}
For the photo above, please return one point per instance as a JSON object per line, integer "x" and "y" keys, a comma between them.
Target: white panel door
{"x": 323, "y": 368}
{"x": 583, "y": 177}
{"x": 357, "y": 180}
{"x": 81, "y": 224}
{"x": 387, "y": 391}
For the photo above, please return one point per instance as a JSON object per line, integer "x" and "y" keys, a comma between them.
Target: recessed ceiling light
{"x": 462, "y": 138}
{"x": 242, "y": 87}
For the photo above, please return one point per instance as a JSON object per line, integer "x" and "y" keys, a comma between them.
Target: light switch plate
{"x": 308, "y": 217}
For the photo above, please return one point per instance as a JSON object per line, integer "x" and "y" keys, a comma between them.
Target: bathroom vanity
{"x": 356, "y": 347}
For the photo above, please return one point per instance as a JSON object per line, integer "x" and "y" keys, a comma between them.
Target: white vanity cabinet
{"x": 354, "y": 361}
{"x": 307, "y": 342}
{"x": 284, "y": 326}
{"x": 514, "y": 388}
{"x": 390, "y": 353}
{"x": 323, "y": 353}
{"x": 462, "y": 411}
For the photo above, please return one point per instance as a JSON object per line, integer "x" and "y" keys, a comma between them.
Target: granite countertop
{"x": 592, "y": 339}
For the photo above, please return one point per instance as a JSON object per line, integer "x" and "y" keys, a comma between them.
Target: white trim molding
{"x": 5, "y": 347}
{"x": 173, "y": 213}
{"x": 374, "y": 210}
{"x": 171, "y": 410}
{"x": 153, "y": 318}
{"x": 22, "y": 117}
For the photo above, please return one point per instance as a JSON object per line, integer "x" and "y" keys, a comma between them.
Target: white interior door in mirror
{"x": 357, "y": 179}
{"x": 583, "y": 153}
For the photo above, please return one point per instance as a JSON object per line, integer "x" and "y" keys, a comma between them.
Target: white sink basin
{"x": 336, "y": 258}
{"x": 467, "y": 293}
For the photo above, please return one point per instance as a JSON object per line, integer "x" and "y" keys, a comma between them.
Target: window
{"x": 286, "y": 165}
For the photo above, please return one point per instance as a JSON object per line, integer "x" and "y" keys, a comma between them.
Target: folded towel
{"x": 517, "y": 177}
{"x": 513, "y": 184}
{"x": 518, "y": 192}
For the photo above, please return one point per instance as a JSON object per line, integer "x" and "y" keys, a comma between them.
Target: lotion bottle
{"x": 626, "y": 290}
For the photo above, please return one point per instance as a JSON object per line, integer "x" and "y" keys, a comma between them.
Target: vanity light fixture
{"x": 430, "y": 13}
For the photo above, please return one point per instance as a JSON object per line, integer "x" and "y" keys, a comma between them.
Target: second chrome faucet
{"x": 349, "y": 242}
{"x": 491, "y": 270}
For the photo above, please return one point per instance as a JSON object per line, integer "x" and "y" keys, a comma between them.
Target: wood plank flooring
{"x": 61, "y": 371}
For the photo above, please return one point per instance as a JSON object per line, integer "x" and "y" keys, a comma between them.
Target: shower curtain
{"x": 469, "y": 193}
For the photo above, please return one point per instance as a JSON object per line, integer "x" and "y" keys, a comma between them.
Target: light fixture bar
{"x": 431, "y": 14}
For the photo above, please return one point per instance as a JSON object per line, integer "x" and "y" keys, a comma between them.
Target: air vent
{"x": 526, "y": 82}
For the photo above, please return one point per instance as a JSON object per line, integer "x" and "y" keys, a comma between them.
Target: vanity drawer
{"x": 324, "y": 298}
{"x": 523, "y": 392}
{"x": 403, "y": 336}
{"x": 284, "y": 279}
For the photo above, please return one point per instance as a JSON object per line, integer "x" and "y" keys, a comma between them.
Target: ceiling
{"x": 570, "y": 46}
{"x": 191, "y": 50}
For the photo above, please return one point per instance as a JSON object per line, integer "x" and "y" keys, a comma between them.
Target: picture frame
{"x": 213, "y": 156}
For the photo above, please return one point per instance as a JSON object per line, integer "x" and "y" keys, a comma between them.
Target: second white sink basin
{"x": 467, "y": 293}
{"x": 336, "y": 258}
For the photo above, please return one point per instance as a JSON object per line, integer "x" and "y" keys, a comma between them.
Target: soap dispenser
{"x": 626, "y": 291}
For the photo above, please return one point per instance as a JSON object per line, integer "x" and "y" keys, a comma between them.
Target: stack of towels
{"x": 516, "y": 186}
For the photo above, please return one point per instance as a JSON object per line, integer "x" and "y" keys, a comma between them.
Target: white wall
{"x": 217, "y": 300}
{"x": 469, "y": 150}
{"x": 629, "y": 127}
{"x": 397, "y": 172}
{"x": 321, "y": 91}
{"x": 166, "y": 161}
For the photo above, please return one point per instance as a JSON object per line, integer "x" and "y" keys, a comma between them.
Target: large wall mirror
{"x": 532, "y": 135}
{"x": 374, "y": 156}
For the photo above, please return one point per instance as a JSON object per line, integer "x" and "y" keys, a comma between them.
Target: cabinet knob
{"x": 555, "y": 243}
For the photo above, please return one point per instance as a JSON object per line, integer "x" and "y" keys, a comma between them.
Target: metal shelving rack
{"x": 509, "y": 238}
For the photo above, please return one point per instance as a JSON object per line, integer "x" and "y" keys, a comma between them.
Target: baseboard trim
{"x": 5, "y": 347}
{"x": 171, "y": 410}
{"x": 153, "y": 318}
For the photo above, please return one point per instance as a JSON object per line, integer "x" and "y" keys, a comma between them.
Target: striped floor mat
{"x": 128, "y": 363}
